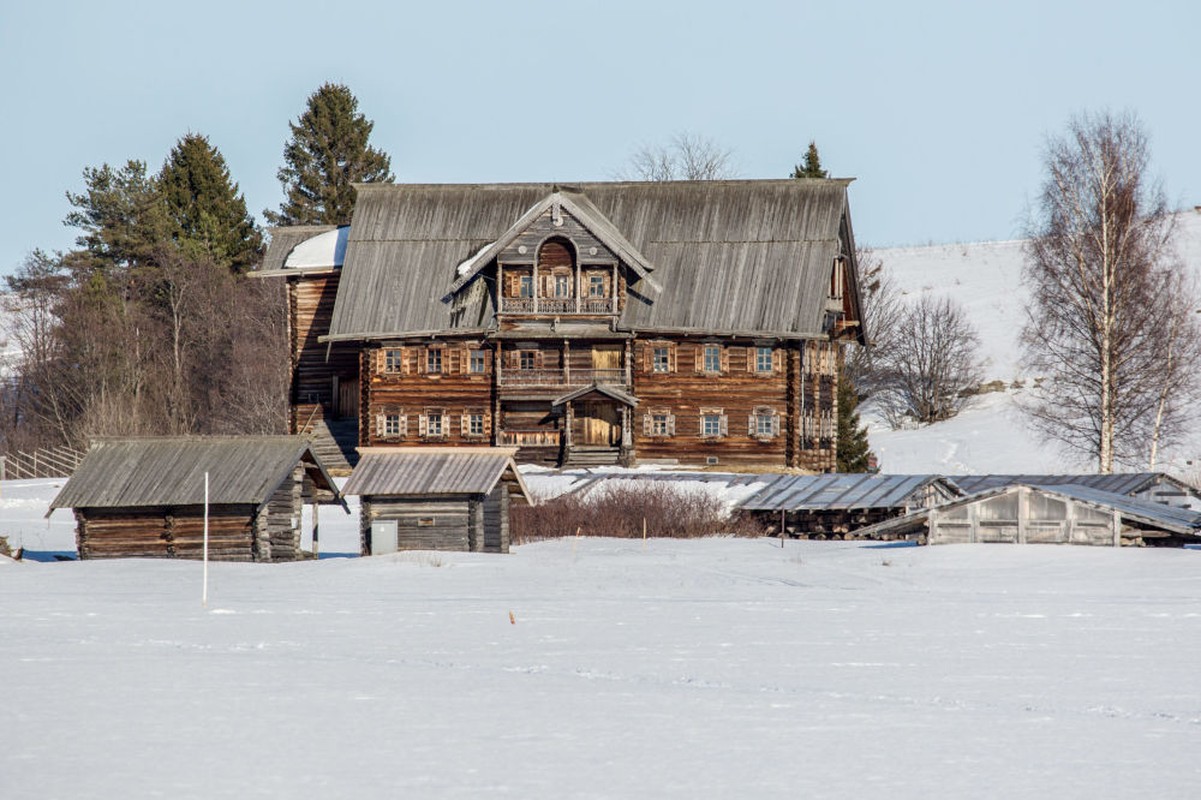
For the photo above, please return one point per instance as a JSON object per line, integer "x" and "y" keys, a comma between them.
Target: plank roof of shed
{"x": 729, "y": 256}
{"x": 836, "y": 492}
{"x": 169, "y": 471}
{"x": 1118, "y": 483}
{"x": 401, "y": 472}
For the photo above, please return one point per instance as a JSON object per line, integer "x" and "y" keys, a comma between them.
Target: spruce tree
{"x": 120, "y": 218}
{"x": 811, "y": 167}
{"x": 207, "y": 216}
{"x": 328, "y": 152}
{"x": 852, "y": 453}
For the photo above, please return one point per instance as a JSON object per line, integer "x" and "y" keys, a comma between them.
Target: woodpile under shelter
{"x": 1046, "y": 514}
{"x": 837, "y": 506}
{"x": 436, "y": 499}
{"x": 145, "y": 498}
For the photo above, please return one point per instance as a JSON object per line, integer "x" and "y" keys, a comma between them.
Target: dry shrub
{"x": 620, "y": 511}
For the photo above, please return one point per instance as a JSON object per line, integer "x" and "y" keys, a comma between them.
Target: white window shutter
{"x": 381, "y": 425}
{"x": 465, "y": 423}
{"x": 725, "y": 425}
{"x": 648, "y": 425}
{"x": 775, "y": 424}
{"x": 671, "y": 424}
{"x": 752, "y": 423}
{"x": 421, "y": 424}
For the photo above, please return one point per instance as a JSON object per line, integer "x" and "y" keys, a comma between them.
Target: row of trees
{"x": 150, "y": 325}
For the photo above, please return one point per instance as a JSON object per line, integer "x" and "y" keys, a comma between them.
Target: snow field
{"x": 713, "y": 668}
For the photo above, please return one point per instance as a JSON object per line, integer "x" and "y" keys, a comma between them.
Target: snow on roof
{"x": 323, "y": 250}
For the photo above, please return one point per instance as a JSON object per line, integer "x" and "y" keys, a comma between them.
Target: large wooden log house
{"x": 685, "y": 322}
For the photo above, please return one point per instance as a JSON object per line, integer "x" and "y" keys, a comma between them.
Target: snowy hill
{"x": 991, "y": 436}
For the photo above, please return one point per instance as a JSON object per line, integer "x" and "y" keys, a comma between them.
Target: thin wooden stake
{"x": 644, "y": 533}
{"x": 204, "y": 593}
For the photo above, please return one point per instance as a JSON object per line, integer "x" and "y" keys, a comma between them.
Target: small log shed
{"x": 454, "y": 498}
{"x": 144, "y": 498}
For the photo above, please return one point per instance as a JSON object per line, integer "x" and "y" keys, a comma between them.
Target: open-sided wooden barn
{"x": 836, "y": 506}
{"x": 436, "y": 499}
{"x": 694, "y": 322}
{"x": 1153, "y": 487}
{"x": 1047, "y": 514}
{"x": 146, "y": 497}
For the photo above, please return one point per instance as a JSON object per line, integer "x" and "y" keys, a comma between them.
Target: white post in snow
{"x": 204, "y": 594}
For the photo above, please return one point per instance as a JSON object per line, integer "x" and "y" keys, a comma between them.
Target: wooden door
{"x": 602, "y": 424}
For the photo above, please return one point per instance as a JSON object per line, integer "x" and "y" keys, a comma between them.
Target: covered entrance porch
{"x": 596, "y": 426}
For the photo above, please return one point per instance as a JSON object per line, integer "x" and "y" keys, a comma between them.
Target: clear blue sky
{"x": 939, "y": 109}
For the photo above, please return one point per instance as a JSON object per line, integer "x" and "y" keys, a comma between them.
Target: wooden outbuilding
{"x": 836, "y": 506}
{"x": 436, "y": 499}
{"x": 145, "y": 498}
{"x": 1046, "y": 514}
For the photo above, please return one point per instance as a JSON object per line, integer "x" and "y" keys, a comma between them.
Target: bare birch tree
{"x": 688, "y": 157}
{"x": 1101, "y": 274}
{"x": 932, "y": 367}
{"x": 882, "y": 312}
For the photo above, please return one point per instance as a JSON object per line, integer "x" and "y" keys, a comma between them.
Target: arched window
{"x": 556, "y": 270}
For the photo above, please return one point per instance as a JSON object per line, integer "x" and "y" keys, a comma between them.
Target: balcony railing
{"x": 528, "y": 438}
{"x": 556, "y": 377}
{"x": 557, "y": 306}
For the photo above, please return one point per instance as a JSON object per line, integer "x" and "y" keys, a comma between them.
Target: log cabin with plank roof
{"x": 600, "y": 323}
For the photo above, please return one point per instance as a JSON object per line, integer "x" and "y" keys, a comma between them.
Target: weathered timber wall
{"x": 165, "y": 532}
{"x": 426, "y": 523}
{"x": 311, "y": 305}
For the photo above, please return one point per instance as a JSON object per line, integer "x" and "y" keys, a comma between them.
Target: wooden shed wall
{"x": 1024, "y": 517}
{"x": 165, "y": 532}
{"x": 474, "y": 523}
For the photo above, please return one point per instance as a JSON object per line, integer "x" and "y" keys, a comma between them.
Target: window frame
{"x": 714, "y": 365}
{"x": 434, "y": 362}
{"x": 393, "y": 360}
{"x": 527, "y": 360}
{"x": 432, "y": 414}
{"x": 473, "y": 355}
{"x": 660, "y": 366}
{"x": 596, "y": 285}
{"x": 762, "y": 350}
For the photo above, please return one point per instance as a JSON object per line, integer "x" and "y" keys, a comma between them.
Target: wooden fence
{"x": 51, "y": 462}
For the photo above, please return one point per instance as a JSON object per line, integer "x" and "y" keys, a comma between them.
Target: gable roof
{"x": 1156, "y": 515}
{"x": 401, "y": 471}
{"x": 609, "y": 391}
{"x": 169, "y": 471}
{"x": 583, "y": 210}
{"x": 751, "y": 257}
{"x": 1126, "y": 483}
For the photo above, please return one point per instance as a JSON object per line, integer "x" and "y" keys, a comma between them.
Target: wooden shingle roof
{"x": 751, "y": 257}
{"x": 169, "y": 471}
{"x": 401, "y": 472}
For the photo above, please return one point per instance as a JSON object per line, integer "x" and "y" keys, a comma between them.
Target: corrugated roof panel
{"x": 837, "y": 492}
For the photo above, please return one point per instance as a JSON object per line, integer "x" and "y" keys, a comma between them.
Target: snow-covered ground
{"x": 705, "y": 668}
{"x": 992, "y": 435}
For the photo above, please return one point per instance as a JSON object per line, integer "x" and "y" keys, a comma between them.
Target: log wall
{"x": 311, "y": 306}
{"x": 165, "y": 533}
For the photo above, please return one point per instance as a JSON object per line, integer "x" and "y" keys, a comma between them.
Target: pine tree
{"x": 852, "y": 454}
{"x": 120, "y": 217}
{"x": 207, "y": 216}
{"x": 811, "y": 167}
{"x": 328, "y": 152}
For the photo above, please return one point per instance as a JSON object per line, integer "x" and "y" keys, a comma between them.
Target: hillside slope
{"x": 991, "y": 436}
